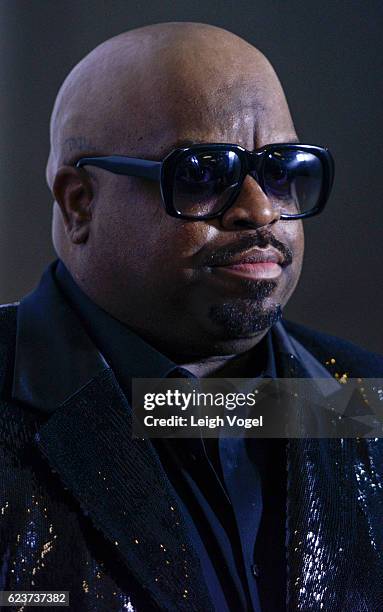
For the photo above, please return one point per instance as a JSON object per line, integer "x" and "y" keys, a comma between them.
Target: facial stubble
{"x": 247, "y": 316}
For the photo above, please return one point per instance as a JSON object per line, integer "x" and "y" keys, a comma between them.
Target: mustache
{"x": 224, "y": 255}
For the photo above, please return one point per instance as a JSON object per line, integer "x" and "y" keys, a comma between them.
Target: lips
{"x": 254, "y": 257}
{"x": 255, "y": 265}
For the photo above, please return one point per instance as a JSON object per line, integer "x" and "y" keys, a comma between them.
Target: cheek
{"x": 145, "y": 237}
{"x": 175, "y": 245}
{"x": 171, "y": 241}
{"x": 184, "y": 239}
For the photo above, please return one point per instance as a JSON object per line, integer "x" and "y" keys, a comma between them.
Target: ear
{"x": 73, "y": 193}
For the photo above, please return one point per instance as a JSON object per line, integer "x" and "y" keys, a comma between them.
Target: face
{"x": 179, "y": 283}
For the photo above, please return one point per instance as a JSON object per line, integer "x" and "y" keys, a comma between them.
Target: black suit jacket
{"x": 86, "y": 508}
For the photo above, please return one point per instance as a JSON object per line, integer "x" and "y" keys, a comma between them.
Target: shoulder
{"x": 8, "y": 317}
{"x": 338, "y": 355}
{"x": 17, "y": 422}
{"x": 8, "y": 326}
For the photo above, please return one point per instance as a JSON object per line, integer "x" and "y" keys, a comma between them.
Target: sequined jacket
{"x": 85, "y": 508}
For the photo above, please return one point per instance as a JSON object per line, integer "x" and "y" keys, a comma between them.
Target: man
{"x": 186, "y": 281}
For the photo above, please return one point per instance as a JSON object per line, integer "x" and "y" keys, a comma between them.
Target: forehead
{"x": 228, "y": 118}
{"x": 200, "y": 101}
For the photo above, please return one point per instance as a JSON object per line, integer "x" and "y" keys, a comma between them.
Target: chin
{"x": 244, "y": 320}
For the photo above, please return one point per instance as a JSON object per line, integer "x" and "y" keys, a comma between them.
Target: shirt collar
{"x": 64, "y": 340}
{"x": 126, "y": 352}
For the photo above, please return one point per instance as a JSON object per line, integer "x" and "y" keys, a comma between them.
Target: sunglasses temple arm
{"x": 125, "y": 165}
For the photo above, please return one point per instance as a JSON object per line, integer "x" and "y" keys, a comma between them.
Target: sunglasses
{"x": 202, "y": 181}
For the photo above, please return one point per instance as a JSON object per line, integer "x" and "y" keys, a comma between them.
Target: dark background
{"x": 328, "y": 55}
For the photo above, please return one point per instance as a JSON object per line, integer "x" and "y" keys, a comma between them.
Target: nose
{"x": 251, "y": 209}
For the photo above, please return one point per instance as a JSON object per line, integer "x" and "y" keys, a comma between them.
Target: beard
{"x": 243, "y": 318}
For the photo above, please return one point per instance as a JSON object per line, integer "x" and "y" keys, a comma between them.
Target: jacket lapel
{"x": 87, "y": 438}
{"x": 120, "y": 483}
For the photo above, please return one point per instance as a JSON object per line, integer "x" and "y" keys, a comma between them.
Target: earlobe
{"x": 73, "y": 193}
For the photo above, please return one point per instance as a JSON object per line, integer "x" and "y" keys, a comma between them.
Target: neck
{"x": 227, "y": 366}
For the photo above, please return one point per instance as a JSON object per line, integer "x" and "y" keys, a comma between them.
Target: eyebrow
{"x": 181, "y": 143}
{"x": 178, "y": 144}
{"x": 294, "y": 140}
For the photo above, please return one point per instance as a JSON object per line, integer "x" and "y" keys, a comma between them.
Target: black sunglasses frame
{"x": 251, "y": 161}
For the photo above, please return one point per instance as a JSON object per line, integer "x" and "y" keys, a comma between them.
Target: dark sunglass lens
{"x": 293, "y": 178}
{"x": 204, "y": 182}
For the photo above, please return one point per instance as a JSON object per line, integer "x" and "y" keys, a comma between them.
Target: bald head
{"x": 146, "y": 85}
